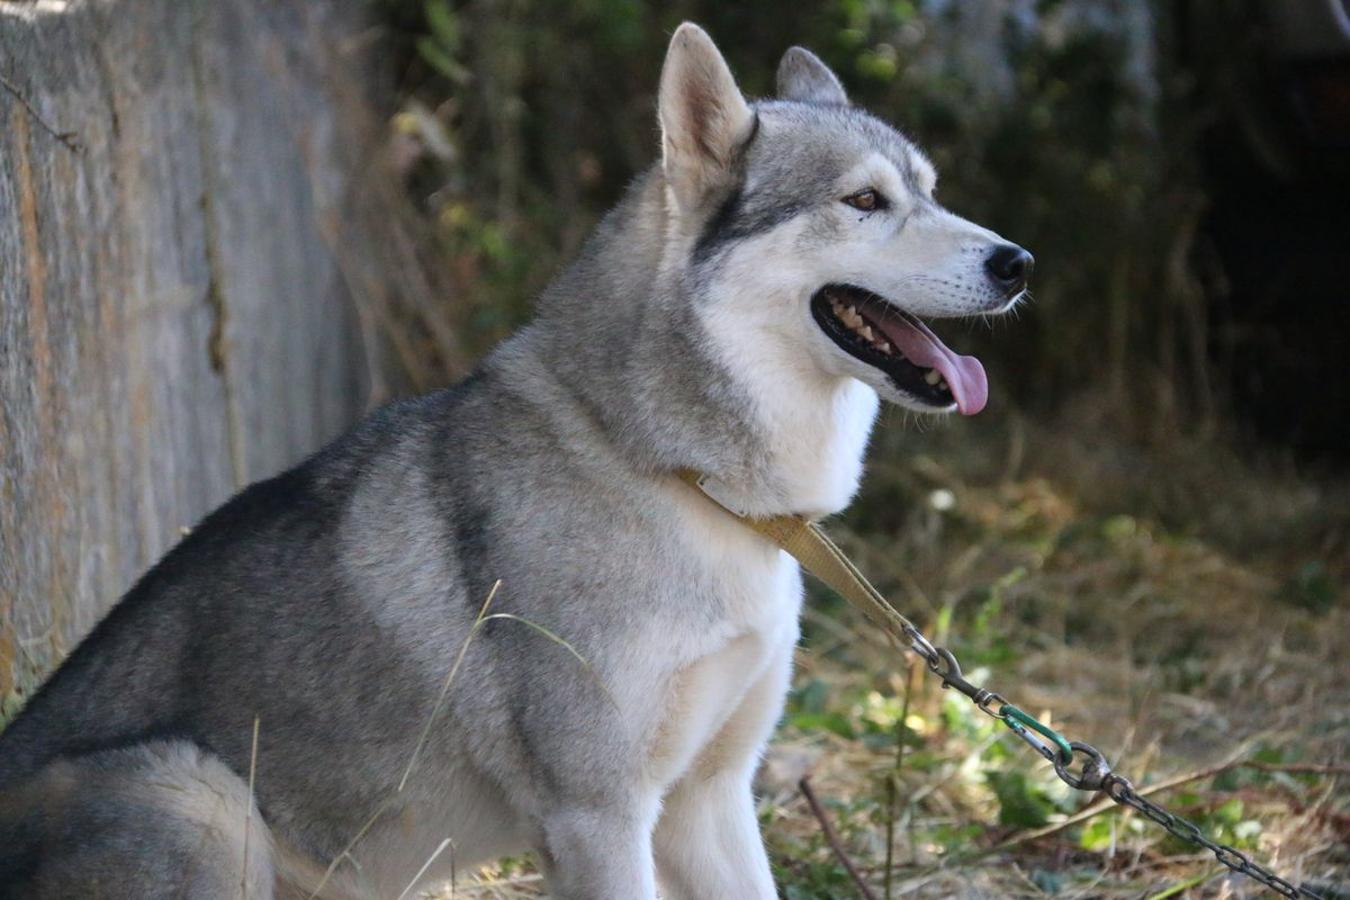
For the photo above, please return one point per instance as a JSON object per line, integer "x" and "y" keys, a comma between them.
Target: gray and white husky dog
{"x": 739, "y": 313}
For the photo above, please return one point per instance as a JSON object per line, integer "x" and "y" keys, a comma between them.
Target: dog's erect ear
{"x": 704, "y": 119}
{"x": 804, "y": 78}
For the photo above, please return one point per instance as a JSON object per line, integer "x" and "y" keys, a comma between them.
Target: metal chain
{"x": 818, "y": 554}
{"x": 1120, "y": 790}
{"x": 1095, "y": 774}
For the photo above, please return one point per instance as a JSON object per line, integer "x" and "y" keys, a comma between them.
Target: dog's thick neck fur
{"x": 672, "y": 394}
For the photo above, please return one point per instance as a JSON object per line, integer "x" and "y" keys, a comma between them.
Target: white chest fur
{"x": 813, "y": 424}
{"x": 814, "y": 429}
{"x": 758, "y": 590}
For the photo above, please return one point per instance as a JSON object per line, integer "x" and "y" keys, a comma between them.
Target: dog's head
{"x": 812, "y": 231}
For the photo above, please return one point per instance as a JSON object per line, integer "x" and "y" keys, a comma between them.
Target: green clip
{"x": 1012, "y": 716}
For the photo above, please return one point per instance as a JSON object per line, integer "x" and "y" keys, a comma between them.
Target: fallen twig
{"x": 1295, "y": 768}
{"x": 832, "y": 837}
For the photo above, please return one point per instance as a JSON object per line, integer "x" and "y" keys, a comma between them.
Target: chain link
{"x": 1095, "y": 773}
{"x": 1120, "y": 790}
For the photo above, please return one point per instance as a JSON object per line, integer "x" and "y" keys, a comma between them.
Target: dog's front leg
{"x": 599, "y": 853}
{"x": 708, "y": 845}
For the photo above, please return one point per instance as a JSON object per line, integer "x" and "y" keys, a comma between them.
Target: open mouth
{"x": 885, "y": 337}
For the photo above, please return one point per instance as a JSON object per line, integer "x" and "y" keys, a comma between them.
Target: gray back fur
{"x": 331, "y": 601}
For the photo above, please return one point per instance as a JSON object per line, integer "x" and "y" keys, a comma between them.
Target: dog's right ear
{"x": 803, "y": 77}
{"x": 705, "y": 120}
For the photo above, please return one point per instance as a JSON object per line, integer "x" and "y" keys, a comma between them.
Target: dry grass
{"x": 1179, "y": 612}
{"x": 1170, "y": 645}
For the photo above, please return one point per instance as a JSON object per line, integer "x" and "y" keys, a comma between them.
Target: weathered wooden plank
{"x": 173, "y": 321}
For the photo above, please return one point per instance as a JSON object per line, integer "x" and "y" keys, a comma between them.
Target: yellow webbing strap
{"x": 806, "y": 542}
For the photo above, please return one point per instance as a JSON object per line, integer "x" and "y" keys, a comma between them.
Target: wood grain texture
{"x": 174, "y": 318}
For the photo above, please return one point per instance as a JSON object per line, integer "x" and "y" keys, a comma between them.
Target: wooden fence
{"x": 186, "y": 283}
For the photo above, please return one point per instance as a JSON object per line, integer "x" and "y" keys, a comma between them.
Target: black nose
{"x": 1010, "y": 266}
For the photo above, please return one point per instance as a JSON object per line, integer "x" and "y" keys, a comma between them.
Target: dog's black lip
{"x": 903, "y": 374}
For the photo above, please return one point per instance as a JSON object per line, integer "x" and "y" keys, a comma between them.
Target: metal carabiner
{"x": 922, "y": 646}
{"x": 1019, "y": 721}
{"x": 1032, "y": 741}
{"x": 952, "y": 677}
{"x": 1095, "y": 771}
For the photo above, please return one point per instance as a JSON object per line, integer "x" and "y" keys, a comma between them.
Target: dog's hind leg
{"x": 154, "y": 821}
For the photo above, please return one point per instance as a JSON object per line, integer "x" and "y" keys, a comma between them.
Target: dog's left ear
{"x": 804, "y": 78}
{"x": 705, "y": 120}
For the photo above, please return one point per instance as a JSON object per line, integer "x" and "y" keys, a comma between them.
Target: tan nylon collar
{"x": 809, "y": 545}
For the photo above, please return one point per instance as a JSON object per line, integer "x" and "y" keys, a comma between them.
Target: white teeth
{"x": 943, "y": 384}
{"x": 932, "y": 376}
{"x": 854, "y": 321}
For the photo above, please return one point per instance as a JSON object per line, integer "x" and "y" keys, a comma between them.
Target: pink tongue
{"x": 964, "y": 374}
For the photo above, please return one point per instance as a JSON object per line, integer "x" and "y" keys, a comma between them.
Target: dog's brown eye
{"x": 866, "y": 200}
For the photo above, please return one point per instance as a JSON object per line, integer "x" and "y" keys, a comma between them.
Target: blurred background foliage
{"x": 1077, "y": 129}
{"x": 1148, "y": 534}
